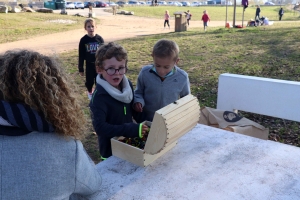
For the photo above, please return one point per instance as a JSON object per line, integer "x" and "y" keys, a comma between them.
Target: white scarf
{"x": 124, "y": 96}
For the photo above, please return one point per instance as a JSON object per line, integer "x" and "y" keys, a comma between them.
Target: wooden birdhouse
{"x": 169, "y": 124}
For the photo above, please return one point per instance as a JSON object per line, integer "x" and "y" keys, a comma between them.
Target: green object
{"x": 60, "y": 4}
{"x": 50, "y": 5}
{"x": 140, "y": 130}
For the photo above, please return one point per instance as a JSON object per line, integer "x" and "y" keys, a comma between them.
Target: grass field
{"x": 18, "y": 26}
{"x": 263, "y": 51}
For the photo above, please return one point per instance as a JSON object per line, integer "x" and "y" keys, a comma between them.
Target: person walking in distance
{"x": 281, "y": 12}
{"x": 257, "y": 13}
{"x": 167, "y": 18}
{"x": 205, "y": 19}
{"x": 88, "y": 46}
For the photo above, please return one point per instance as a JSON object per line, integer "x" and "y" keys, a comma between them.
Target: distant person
{"x": 112, "y": 102}
{"x": 155, "y": 3}
{"x": 88, "y": 46}
{"x": 205, "y": 19}
{"x": 280, "y": 13}
{"x": 40, "y": 122}
{"x": 245, "y": 4}
{"x": 257, "y": 13}
{"x": 167, "y": 18}
{"x": 188, "y": 17}
{"x": 161, "y": 83}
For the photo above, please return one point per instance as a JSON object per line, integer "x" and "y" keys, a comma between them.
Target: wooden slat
{"x": 181, "y": 130}
{"x": 150, "y": 158}
{"x": 169, "y": 108}
{"x": 157, "y": 135}
{"x": 181, "y": 117}
{"x": 127, "y": 152}
{"x": 182, "y": 110}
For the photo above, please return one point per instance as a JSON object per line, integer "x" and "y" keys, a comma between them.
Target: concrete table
{"x": 208, "y": 163}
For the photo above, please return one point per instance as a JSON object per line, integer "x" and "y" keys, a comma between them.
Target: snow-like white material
{"x": 208, "y": 163}
{"x": 266, "y": 96}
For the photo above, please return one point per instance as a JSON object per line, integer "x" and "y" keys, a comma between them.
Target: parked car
{"x": 195, "y": 3}
{"x": 100, "y": 4}
{"x": 79, "y": 5}
{"x": 269, "y": 3}
{"x": 142, "y": 2}
{"x": 111, "y": 3}
{"x": 211, "y": 2}
{"x": 149, "y": 2}
{"x": 70, "y": 5}
{"x": 88, "y": 3}
{"x": 133, "y": 3}
{"x": 162, "y": 3}
{"x": 177, "y": 3}
{"x": 185, "y": 3}
{"x": 121, "y": 3}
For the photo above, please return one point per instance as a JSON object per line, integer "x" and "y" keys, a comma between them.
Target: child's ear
{"x": 176, "y": 61}
{"x": 98, "y": 70}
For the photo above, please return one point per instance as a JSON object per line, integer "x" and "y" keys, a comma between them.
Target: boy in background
{"x": 161, "y": 83}
{"x": 112, "y": 101}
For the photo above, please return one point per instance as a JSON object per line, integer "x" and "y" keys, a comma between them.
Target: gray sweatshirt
{"x": 153, "y": 93}
{"x": 46, "y": 166}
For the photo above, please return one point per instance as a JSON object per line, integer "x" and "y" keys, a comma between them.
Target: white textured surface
{"x": 208, "y": 163}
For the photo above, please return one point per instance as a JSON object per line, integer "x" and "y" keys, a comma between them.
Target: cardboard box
{"x": 169, "y": 124}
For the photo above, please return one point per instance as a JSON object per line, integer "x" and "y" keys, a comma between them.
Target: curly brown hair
{"x": 38, "y": 81}
{"x": 109, "y": 50}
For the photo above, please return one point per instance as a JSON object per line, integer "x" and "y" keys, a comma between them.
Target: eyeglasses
{"x": 111, "y": 71}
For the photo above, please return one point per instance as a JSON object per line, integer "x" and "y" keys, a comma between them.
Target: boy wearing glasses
{"x": 161, "y": 83}
{"x": 112, "y": 101}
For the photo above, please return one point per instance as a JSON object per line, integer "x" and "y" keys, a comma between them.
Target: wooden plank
{"x": 170, "y": 108}
{"x": 181, "y": 117}
{"x": 150, "y": 158}
{"x": 181, "y": 131}
{"x": 183, "y": 110}
{"x": 157, "y": 135}
{"x": 127, "y": 152}
{"x": 194, "y": 116}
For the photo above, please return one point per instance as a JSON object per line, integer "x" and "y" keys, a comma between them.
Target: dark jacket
{"x": 257, "y": 11}
{"x": 87, "y": 49}
{"x": 281, "y": 11}
{"x": 112, "y": 118}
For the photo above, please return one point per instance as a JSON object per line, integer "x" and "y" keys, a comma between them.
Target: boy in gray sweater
{"x": 161, "y": 83}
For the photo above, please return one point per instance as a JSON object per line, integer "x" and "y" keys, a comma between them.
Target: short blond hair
{"x": 166, "y": 49}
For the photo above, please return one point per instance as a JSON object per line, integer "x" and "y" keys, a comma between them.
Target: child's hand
{"x": 138, "y": 107}
{"x": 81, "y": 73}
{"x": 145, "y": 129}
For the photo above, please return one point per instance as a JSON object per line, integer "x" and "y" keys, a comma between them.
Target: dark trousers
{"x": 166, "y": 22}
{"x": 280, "y": 16}
{"x": 257, "y": 15}
{"x": 90, "y": 76}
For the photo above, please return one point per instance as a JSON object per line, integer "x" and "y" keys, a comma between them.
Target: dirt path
{"x": 111, "y": 28}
